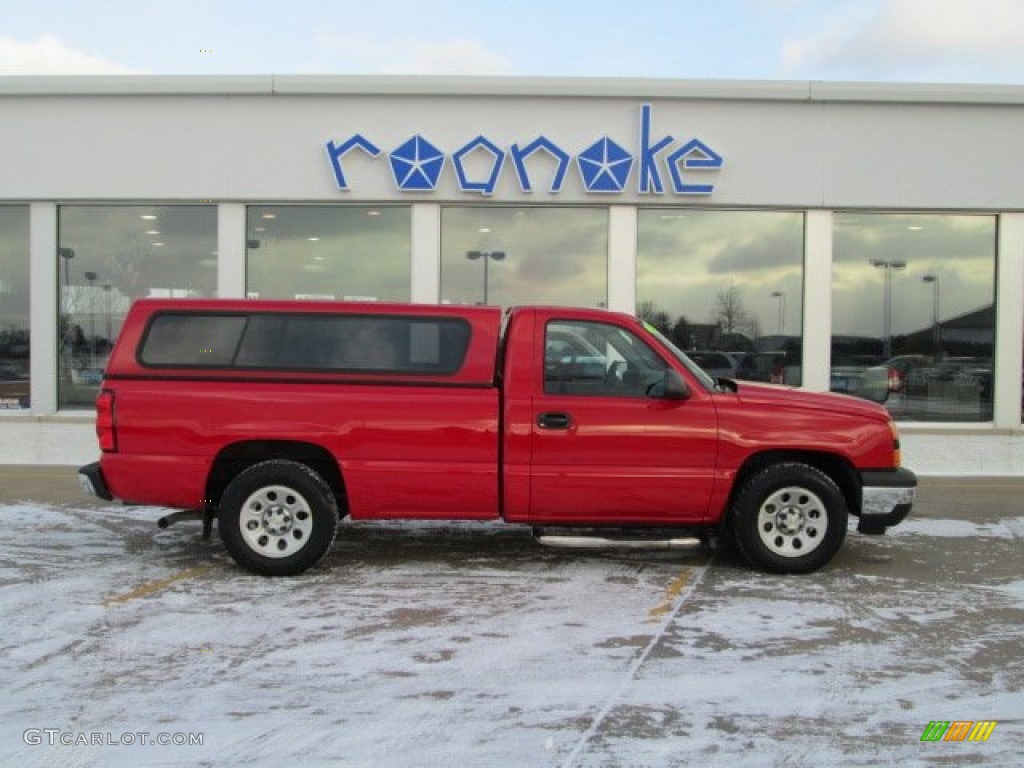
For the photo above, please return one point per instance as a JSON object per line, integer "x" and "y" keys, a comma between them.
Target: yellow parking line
{"x": 156, "y": 585}
{"x": 675, "y": 587}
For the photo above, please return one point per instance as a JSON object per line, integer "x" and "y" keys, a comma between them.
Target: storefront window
{"x": 507, "y": 256}
{"x": 109, "y": 255}
{"x": 913, "y": 308}
{"x": 353, "y": 253}
{"x": 14, "y": 308}
{"x": 727, "y": 286}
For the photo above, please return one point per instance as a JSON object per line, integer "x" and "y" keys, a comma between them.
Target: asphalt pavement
{"x": 469, "y": 644}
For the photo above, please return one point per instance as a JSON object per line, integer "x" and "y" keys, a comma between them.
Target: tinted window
{"x": 192, "y": 340}
{"x": 361, "y": 343}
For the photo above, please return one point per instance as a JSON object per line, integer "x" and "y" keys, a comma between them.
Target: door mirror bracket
{"x": 673, "y": 387}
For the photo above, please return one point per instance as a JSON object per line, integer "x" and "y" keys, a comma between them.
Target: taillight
{"x": 895, "y": 380}
{"x": 105, "y": 421}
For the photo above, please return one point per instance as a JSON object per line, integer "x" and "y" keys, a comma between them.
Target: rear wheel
{"x": 789, "y": 518}
{"x": 277, "y": 518}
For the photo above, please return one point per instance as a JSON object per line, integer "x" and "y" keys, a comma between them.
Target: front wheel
{"x": 277, "y": 518}
{"x": 789, "y": 518}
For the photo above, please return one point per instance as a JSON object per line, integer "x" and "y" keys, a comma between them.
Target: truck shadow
{"x": 491, "y": 545}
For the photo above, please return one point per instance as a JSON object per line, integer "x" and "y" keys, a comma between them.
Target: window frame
{"x": 453, "y": 366}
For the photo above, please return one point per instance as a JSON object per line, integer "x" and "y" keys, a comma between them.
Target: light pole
{"x": 888, "y": 265}
{"x": 67, "y": 254}
{"x": 936, "y": 328}
{"x": 486, "y": 257}
{"x": 107, "y": 311}
{"x": 91, "y": 277}
{"x": 781, "y": 296}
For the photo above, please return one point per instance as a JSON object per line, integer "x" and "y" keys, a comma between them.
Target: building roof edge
{"x": 540, "y": 87}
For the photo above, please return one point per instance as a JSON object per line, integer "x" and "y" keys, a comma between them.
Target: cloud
{"x": 50, "y": 56}
{"x": 369, "y": 54}
{"x": 915, "y": 37}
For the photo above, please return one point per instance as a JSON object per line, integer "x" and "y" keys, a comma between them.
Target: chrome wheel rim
{"x": 792, "y": 522}
{"x": 276, "y": 521}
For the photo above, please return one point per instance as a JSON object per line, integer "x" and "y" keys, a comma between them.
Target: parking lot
{"x": 470, "y": 645}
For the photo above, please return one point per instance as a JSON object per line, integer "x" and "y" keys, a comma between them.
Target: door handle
{"x": 554, "y": 421}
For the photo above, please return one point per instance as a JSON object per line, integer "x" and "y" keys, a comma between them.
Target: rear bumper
{"x": 887, "y": 497}
{"x": 90, "y": 477}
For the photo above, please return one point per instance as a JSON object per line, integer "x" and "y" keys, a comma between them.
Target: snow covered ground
{"x": 469, "y": 645}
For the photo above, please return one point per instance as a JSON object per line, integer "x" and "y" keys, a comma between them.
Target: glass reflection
{"x": 508, "y": 256}
{"x": 14, "y": 307}
{"x": 727, "y": 287}
{"x": 109, "y": 255}
{"x": 913, "y": 311}
{"x": 353, "y": 253}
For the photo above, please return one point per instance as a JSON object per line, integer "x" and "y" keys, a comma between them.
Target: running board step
{"x": 176, "y": 517}
{"x": 566, "y": 541}
{"x": 206, "y": 515}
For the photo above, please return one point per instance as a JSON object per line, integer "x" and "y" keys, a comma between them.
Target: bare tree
{"x": 682, "y": 334}
{"x": 659, "y": 318}
{"x": 729, "y": 312}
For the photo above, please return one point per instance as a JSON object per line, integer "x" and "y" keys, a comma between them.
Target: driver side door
{"x": 606, "y": 446}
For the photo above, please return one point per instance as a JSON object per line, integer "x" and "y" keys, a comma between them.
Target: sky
{"x": 946, "y": 41}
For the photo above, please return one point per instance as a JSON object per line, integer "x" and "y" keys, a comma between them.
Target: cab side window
{"x": 598, "y": 359}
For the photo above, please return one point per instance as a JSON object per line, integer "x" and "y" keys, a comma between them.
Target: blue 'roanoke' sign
{"x": 604, "y": 167}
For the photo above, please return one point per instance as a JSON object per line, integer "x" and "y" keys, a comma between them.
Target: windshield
{"x": 678, "y": 354}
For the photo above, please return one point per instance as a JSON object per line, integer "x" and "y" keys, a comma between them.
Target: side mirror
{"x": 674, "y": 386}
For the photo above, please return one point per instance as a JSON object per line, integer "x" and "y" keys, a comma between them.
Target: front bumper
{"x": 887, "y": 497}
{"x": 90, "y": 478}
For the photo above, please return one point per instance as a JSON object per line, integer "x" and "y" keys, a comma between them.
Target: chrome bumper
{"x": 92, "y": 482}
{"x": 886, "y": 499}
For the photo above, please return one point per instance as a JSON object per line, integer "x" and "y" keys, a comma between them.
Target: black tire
{"x": 788, "y": 518}
{"x": 277, "y": 518}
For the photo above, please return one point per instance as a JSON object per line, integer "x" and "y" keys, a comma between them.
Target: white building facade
{"x": 867, "y": 239}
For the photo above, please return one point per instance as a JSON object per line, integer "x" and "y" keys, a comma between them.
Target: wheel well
{"x": 843, "y": 473}
{"x": 238, "y": 457}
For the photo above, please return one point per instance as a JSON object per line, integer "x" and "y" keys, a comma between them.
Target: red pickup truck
{"x": 281, "y": 418}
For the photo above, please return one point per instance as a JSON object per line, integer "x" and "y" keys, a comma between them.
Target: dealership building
{"x": 863, "y": 238}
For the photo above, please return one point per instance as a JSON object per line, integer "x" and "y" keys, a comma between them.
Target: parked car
{"x": 847, "y": 371}
{"x": 569, "y": 355}
{"x": 717, "y": 365}
{"x": 10, "y": 372}
{"x": 770, "y": 367}
{"x": 923, "y": 387}
{"x": 14, "y": 386}
{"x": 954, "y": 379}
{"x": 879, "y": 382}
{"x": 976, "y": 372}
